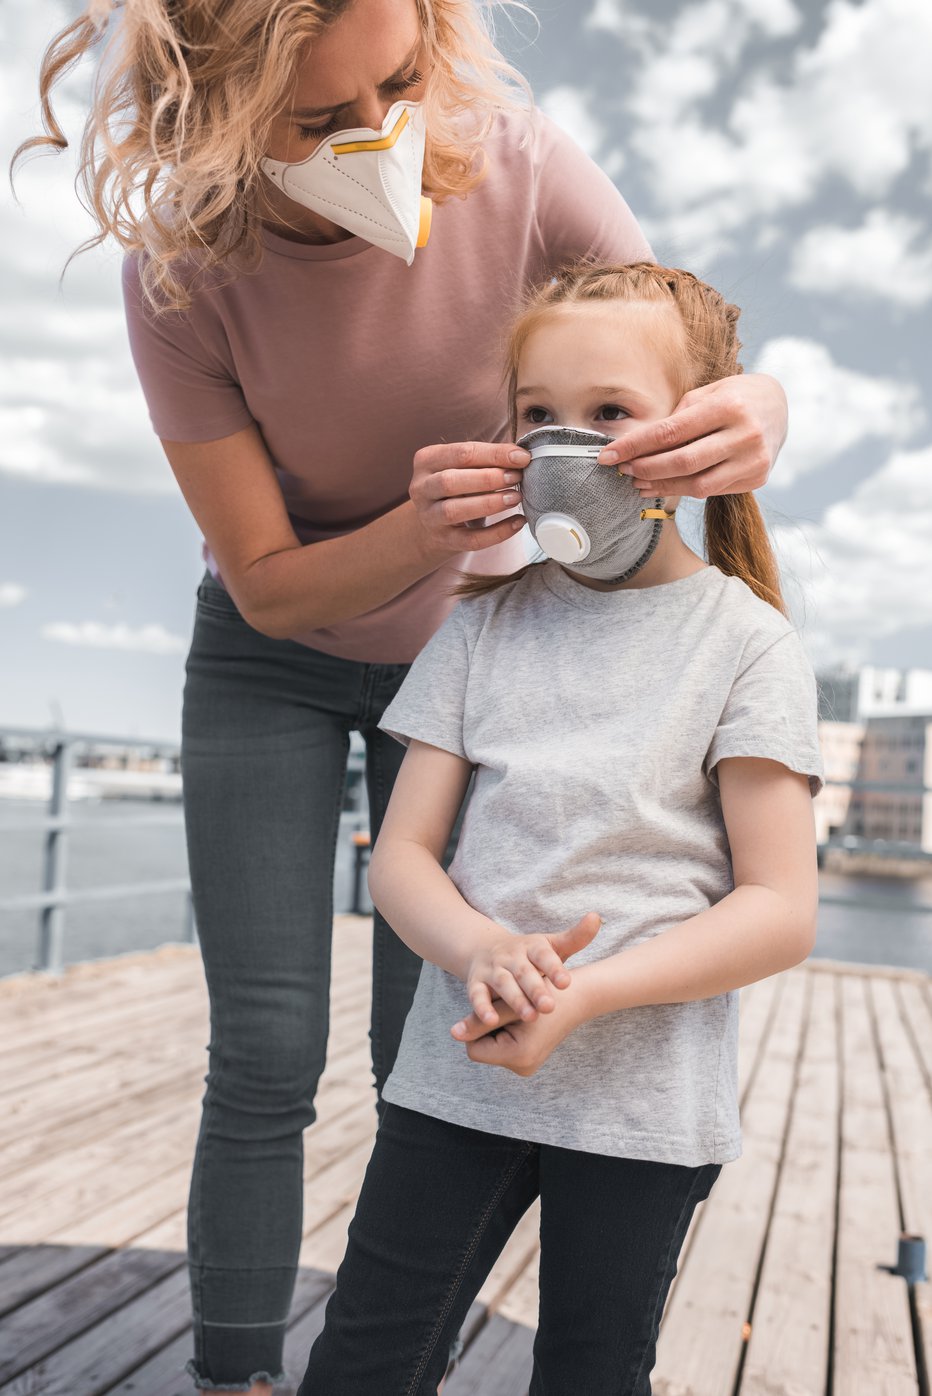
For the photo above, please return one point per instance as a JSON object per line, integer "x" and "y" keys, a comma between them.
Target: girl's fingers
{"x": 549, "y": 963}
{"x": 481, "y": 1001}
{"x": 535, "y": 988}
{"x": 508, "y": 988}
{"x": 470, "y": 1027}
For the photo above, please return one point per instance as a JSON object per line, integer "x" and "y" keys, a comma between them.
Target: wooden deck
{"x": 778, "y": 1293}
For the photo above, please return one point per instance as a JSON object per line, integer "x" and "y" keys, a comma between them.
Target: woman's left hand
{"x": 520, "y": 1046}
{"x": 722, "y": 438}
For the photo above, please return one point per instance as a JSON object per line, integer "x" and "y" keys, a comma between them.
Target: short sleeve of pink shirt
{"x": 348, "y": 361}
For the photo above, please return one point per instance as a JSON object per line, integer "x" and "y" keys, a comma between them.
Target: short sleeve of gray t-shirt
{"x": 595, "y": 721}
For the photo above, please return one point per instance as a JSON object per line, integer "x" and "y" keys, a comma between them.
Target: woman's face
{"x": 599, "y": 365}
{"x": 368, "y": 59}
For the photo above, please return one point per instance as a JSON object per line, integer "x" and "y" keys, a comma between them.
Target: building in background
{"x": 853, "y": 695}
{"x": 875, "y": 727}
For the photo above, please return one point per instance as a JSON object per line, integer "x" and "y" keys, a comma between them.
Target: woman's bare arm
{"x": 282, "y": 586}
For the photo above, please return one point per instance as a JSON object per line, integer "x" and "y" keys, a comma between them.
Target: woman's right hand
{"x": 512, "y": 968}
{"x": 458, "y": 484}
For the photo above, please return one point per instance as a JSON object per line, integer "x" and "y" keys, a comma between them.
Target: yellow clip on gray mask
{"x": 367, "y": 181}
{"x": 583, "y": 514}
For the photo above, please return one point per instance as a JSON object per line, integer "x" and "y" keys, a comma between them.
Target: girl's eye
{"x": 406, "y": 83}
{"x": 611, "y": 412}
{"x": 306, "y": 132}
{"x": 537, "y": 415}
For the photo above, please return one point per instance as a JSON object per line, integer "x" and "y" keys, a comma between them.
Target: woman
{"x": 294, "y": 369}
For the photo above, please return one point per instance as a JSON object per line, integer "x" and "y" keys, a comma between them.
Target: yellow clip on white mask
{"x": 367, "y": 181}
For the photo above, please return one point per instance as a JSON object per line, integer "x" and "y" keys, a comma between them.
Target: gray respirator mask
{"x": 583, "y": 514}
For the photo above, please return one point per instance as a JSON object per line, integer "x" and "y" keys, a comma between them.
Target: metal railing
{"x": 54, "y": 896}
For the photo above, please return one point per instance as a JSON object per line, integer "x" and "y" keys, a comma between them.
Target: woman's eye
{"x": 537, "y": 415}
{"x": 611, "y": 412}
{"x": 306, "y": 132}
{"x": 406, "y": 83}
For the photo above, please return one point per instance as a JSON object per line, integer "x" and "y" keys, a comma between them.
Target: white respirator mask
{"x": 583, "y": 514}
{"x": 367, "y": 181}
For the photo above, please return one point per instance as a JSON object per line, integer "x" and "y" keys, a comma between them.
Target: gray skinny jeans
{"x": 265, "y": 738}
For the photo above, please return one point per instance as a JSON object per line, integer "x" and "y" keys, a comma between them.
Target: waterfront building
{"x": 853, "y": 695}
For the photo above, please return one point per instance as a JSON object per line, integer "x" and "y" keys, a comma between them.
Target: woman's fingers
{"x": 733, "y": 427}
{"x": 466, "y": 467}
{"x": 643, "y": 444}
{"x": 458, "y": 485}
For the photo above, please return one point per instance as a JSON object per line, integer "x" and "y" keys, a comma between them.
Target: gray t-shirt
{"x": 594, "y": 721}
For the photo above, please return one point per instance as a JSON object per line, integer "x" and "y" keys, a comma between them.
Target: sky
{"x": 779, "y": 150}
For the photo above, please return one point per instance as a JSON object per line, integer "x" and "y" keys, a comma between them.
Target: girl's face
{"x": 368, "y": 59}
{"x": 599, "y": 365}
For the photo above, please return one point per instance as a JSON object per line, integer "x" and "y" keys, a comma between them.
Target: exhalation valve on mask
{"x": 583, "y": 514}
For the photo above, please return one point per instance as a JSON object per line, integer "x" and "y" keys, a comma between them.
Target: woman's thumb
{"x": 566, "y": 943}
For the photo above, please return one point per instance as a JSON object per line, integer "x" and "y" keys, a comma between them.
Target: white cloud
{"x": 147, "y": 639}
{"x": 12, "y": 594}
{"x": 71, "y": 410}
{"x": 569, "y": 107}
{"x": 863, "y": 569}
{"x": 833, "y": 408}
{"x": 854, "y": 107}
{"x": 878, "y": 260}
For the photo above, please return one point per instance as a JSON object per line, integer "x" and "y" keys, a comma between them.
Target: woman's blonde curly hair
{"x": 185, "y": 95}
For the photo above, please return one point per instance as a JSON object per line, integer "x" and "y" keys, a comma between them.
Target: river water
{"x": 882, "y": 927}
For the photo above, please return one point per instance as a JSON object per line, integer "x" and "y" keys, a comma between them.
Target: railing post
{"x": 52, "y": 918}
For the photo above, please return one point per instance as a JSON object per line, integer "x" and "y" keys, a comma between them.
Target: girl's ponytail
{"x": 737, "y": 543}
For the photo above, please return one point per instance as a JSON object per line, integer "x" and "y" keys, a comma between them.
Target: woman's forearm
{"x": 424, "y": 908}
{"x": 750, "y": 934}
{"x": 317, "y": 584}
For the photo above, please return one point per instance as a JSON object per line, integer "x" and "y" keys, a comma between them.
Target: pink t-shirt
{"x": 349, "y": 361}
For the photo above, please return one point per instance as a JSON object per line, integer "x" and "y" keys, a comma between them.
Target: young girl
{"x": 645, "y": 752}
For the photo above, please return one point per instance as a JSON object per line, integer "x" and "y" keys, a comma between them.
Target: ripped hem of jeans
{"x": 205, "y": 1384}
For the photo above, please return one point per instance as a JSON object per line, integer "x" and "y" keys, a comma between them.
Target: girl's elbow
{"x": 804, "y": 936}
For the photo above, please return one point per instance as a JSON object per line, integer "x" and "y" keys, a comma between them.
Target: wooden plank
{"x": 108, "y": 1351}
{"x": 131, "y": 1144}
{"x": 916, "y": 1006}
{"x": 873, "y": 1343}
{"x": 789, "y": 1342}
{"x": 757, "y": 1007}
{"x": 701, "y": 1338}
{"x": 34, "y": 1330}
{"x": 496, "y": 1363}
{"x": 163, "y": 1374}
{"x": 909, "y": 1102}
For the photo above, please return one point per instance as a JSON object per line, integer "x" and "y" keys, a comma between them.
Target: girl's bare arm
{"x": 426, "y": 909}
{"x": 767, "y": 924}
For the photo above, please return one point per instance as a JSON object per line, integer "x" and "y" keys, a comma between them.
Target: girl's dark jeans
{"x": 439, "y": 1202}
{"x": 266, "y": 727}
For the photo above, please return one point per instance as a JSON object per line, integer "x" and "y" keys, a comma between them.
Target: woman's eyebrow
{"x": 341, "y": 106}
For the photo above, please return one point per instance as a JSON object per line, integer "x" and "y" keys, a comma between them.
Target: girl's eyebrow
{"x": 341, "y": 106}
{"x": 597, "y": 389}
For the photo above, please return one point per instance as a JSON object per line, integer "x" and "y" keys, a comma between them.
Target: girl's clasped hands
{"x": 522, "y": 997}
